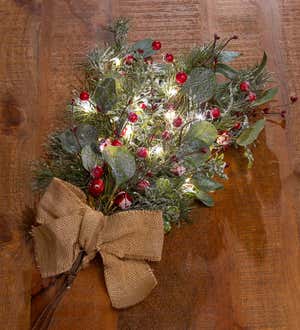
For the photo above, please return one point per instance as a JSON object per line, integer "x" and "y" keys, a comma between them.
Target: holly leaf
{"x": 121, "y": 162}
{"x": 267, "y": 97}
{"x": 228, "y": 56}
{"x": 206, "y": 184}
{"x": 202, "y": 131}
{"x": 146, "y": 46}
{"x": 72, "y": 140}
{"x": 251, "y": 133}
{"x": 201, "y": 84}
{"x": 89, "y": 158}
{"x": 226, "y": 71}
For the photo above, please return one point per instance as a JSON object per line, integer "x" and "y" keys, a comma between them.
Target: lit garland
{"x": 151, "y": 135}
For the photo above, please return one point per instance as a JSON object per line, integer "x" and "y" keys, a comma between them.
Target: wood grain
{"x": 238, "y": 265}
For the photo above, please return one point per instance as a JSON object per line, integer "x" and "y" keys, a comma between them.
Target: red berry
{"x": 181, "y": 77}
{"x": 140, "y": 51}
{"x": 143, "y": 184}
{"x": 97, "y": 172}
{"x": 252, "y": 97}
{"x": 237, "y": 125}
{"x": 169, "y": 58}
{"x": 245, "y": 86}
{"x": 177, "y": 122}
{"x": 265, "y": 110}
{"x": 116, "y": 143}
{"x": 142, "y": 152}
{"x": 215, "y": 113}
{"x": 148, "y": 60}
{"x": 283, "y": 113}
{"x": 123, "y": 200}
{"x": 132, "y": 117}
{"x": 143, "y": 106}
{"x": 156, "y": 45}
{"x": 129, "y": 59}
{"x": 178, "y": 170}
{"x": 96, "y": 187}
{"x": 149, "y": 174}
{"x": 204, "y": 150}
{"x": 154, "y": 107}
{"x": 84, "y": 96}
{"x": 166, "y": 135}
{"x": 123, "y": 132}
{"x": 294, "y": 98}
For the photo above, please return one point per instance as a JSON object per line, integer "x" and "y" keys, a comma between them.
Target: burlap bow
{"x": 124, "y": 240}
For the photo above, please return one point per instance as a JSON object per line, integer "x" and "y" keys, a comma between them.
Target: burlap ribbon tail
{"x": 125, "y": 240}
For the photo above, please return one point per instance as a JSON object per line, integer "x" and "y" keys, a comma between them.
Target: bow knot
{"x": 125, "y": 241}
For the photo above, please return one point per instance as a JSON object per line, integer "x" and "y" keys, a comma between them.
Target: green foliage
{"x": 72, "y": 140}
{"x": 201, "y": 84}
{"x": 206, "y": 184}
{"x": 228, "y": 56}
{"x": 145, "y": 46}
{"x": 180, "y": 167}
{"x": 227, "y": 71}
{"x": 90, "y": 158}
{"x": 121, "y": 162}
{"x": 266, "y": 97}
{"x": 203, "y": 131}
{"x": 250, "y": 134}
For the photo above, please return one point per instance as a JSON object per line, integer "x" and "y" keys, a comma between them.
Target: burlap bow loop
{"x": 124, "y": 240}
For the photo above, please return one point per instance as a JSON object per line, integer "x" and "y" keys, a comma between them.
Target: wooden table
{"x": 238, "y": 265}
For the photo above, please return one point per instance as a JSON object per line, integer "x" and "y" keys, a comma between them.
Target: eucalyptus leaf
{"x": 228, "y": 56}
{"x": 203, "y": 131}
{"x": 121, "y": 162}
{"x": 89, "y": 158}
{"x": 106, "y": 94}
{"x": 262, "y": 64}
{"x": 146, "y": 46}
{"x": 201, "y": 84}
{"x": 69, "y": 142}
{"x": 227, "y": 71}
{"x": 86, "y": 134}
{"x": 206, "y": 184}
{"x": 251, "y": 133}
{"x": 267, "y": 97}
{"x": 205, "y": 198}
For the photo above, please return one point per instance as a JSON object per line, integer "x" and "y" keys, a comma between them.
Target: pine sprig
{"x": 157, "y": 130}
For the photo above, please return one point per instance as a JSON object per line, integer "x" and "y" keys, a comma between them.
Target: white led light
{"x": 170, "y": 115}
{"x": 86, "y": 106}
{"x": 200, "y": 116}
{"x": 172, "y": 91}
{"x": 188, "y": 188}
{"x": 116, "y": 61}
{"x": 128, "y": 132}
{"x": 157, "y": 150}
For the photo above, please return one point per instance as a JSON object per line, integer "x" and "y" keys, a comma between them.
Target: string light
{"x": 170, "y": 115}
{"x": 172, "y": 91}
{"x": 128, "y": 132}
{"x": 157, "y": 150}
{"x": 116, "y": 61}
{"x": 200, "y": 116}
{"x": 86, "y": 106}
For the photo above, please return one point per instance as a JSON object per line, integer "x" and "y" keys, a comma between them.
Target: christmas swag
{"x": 148, "y": 133}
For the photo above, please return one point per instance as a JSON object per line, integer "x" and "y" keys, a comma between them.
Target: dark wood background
{"x": 238, "y": 265}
